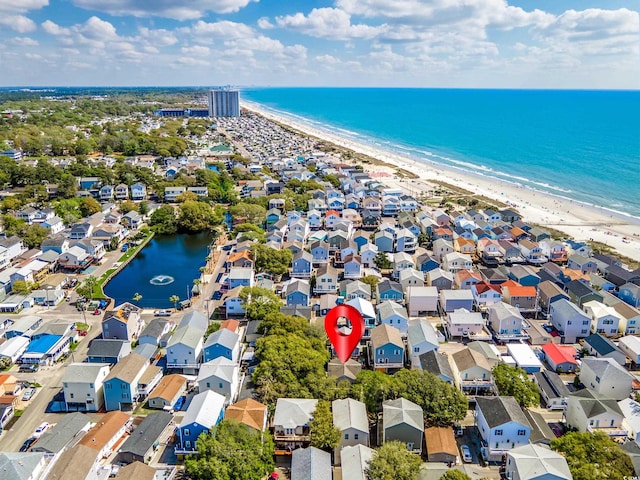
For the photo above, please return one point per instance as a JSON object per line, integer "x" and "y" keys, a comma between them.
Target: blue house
{"x": 630, "y": 293}
{"x": 205, "y": 412}
{"x": 302, "y": 265}
{"x": 298, "y": 293}
{"x": 384, "y": 241}
{"x": 223, "y": 343}
{"x": 389, "y": 290}
{"x": 361, "y": 239}
{"x": 426, "y": 263}
{"x": 387, "y": 348}
{"x": 121, "y": 385}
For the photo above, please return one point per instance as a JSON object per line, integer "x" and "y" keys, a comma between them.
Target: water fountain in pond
{"x": 161, "y": 280}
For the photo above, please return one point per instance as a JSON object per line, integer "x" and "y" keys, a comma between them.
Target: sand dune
{"x": 580, "y": 221}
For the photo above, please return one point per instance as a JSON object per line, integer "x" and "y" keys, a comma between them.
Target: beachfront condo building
{"x": 224, "y": 102}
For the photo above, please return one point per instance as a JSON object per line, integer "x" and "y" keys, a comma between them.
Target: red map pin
{"x": 344, "y": 344}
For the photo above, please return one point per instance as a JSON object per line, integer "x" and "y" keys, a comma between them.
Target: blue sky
{"x": 418, "y": 43}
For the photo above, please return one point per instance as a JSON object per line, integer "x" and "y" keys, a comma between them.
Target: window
{"x": 208, "y": 385}
{"x": 597, "y": 379}
{"x": 187, "y": 444}
{"x": 91, "y": 385}
{"x": 123, "y": 386}
{"x": 186, "y": 432}
{"x": 355, "y": 436}
{"x": 585, "y": 322}
{"x": 66, "y": 385}
{"x": 568, "y": 322}
{"x": 584, "y": 331}
{"x": 380, "y": 352}
{"x": 522, "y": 433}
{"x": 125, "y": 396}
{"x": 498, "y": 432}
{"x": 416, "y": 349}
{"x": 346, "y": 436}
{"x": 220, "y": 385}
{"x": 71, "y": 395}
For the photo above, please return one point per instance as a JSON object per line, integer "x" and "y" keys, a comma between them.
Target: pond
{"x": 166, "y": 266}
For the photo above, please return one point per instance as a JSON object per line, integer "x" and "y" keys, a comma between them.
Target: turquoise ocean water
{"x": 583, "y": 145}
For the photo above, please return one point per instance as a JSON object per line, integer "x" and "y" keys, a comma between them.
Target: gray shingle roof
{"x": 294, "y": 412}
{"x": 19, "y": 466}
{"x": 436, "y": 363}
{"x": 350, "y": 413}
{"x": 500, "y": 410}
{"x": 310, "y": 464}
{"x": 401, "y": 410}
{"x": 83, "y": 372}
{"x": 54, "y": 440}
{"x": 105, "y": 348}
{"x": 147, "y": 433}
{"x": 223, "y": 337}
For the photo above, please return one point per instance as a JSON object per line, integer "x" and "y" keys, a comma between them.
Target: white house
{"x": 463, "y": 323}
{"x": 82, "y": 385}
{"x": 393, "y": 314}
{"x": 569, "y": 320}
{"x": 536, "y": 462}
{"x": 606, "y": 377}
{"x": 422, "y": 300}
{"x": 220, "y": 375}
{"x": 350, "y": 417}
{"x": 588, "y": 411}
{"x": 604, "y": 320}
{"x": 502, "y": 425}
{"x": 421, "y": 338}
{"x": 630, "y": 346}
{"x": 506, "y": 322}
{"x": 454, "y": 261}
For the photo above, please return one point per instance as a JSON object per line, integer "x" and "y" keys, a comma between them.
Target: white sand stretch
{"x": 581, "y": 222}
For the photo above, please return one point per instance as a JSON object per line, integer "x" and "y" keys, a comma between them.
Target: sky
{"x": 580, "y": 44}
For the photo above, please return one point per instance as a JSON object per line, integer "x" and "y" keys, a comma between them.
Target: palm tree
{"x": 137, "y": 297}
{"x": 174, "y": 299}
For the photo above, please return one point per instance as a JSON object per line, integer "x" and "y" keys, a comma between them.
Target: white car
{"x": 466, "y": 453}
{"x": 43, "y": 427}
{"x": 162, "y": 313}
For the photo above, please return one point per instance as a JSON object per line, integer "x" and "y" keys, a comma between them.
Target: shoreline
{"x": 579, "y": 220}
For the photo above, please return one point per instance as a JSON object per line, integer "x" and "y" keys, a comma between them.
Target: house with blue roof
{"x": 46, "y": 349}
{"x": 204, "y": 412}
{"x": 223, "y": 343}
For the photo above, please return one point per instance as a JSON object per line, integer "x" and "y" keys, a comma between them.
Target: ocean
{"x": 582, "y": 145}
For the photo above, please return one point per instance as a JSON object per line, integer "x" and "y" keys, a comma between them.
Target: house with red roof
{"x": 523, "y": 298}
{"x": 485, "y": 294}
{"x": 561, "y": 358}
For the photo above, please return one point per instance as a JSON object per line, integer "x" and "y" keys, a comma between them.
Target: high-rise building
{"x": 224, "y": 102}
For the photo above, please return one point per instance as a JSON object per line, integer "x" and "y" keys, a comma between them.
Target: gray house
{"x": 350, "y": 417}
{"x": 403, "y": 421}
{"x": 310, "y": 464}
{"x": 70, "y": 426}
{"x": 141, "y": 445}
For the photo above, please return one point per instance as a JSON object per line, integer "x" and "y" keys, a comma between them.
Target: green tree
{"x": 382, "y": 261}
{"x": 259, "y": 302}
{"x": 33, "y": 235}
{"x": 372, "y": 388}
{"x": 323, "y": 433}
{"x": 195, "y": 216}
{"x": 513, "y": 381}
{"x": 87, "y": 288}
{"x": 89, "y": 206}
{"x": 442, "y": 404}
{"x": 371, "y": 280}
{"x": 249, "y": 213}
{"x": 137, "y": 297}
{"x": 453, "y": 474}
{"x": 128, "y": 206}
{"x": 270, "y": 260}
{"x": 163, "y": 220}
{"x": 21, "y": 287}
{"x": 231, "y": 451}
{"x": 593, "y": 456}
{"x": 392, "y": 461}
{"x": 174, "y": 299}
{"x": 249, "y": 231}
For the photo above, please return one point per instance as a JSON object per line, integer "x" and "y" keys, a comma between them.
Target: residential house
{"x": 485, "y": 295}
{"x": 571, "y": 322}
{"x": 604, "y": 320}
{"x": 421, "y": 338}
{"x": 502, "y": 425}
{"x": 122, "y": 323}
{"x": 441, "y": 445}
{"x": 561, "y": 358}
{"x": 441, "y": 247}
{"x": 222, "y": 343}
{"x": 167, "y": 392}
{"x": 583, "y": 263}
{"x": 82, "y": 385}
{"x": 319, "y": 252}
{"x": 472, "y": 371}
{"x": 108, "y": 351}
{"x": 55, "y": 440}
{"x": 465, "y": 279}
{"x": 630, "y": 346}
{"x": 588, "y": 411}
{"x": 387, "y": 348}
{"x": 385, "y": 241}
{"x": 348, "y": 370}
{"x": 463, "y": 323}
{"x": 549, "y": 292}
{"x": 122, "y": 384}
{"x": 602, "y": 347}
{"x": 184, "y": 348}
{"x": 580, "y": 293}
{"x": 241, "y": 277}
{"x": 454, "y": 261}
{"x": 389, "y": 290}
{"x": 291, "y": 422}
{"x": 606, "y": 377}
{"x": 630, "y": 293}
{"x": 302, "y": 265}
{"x": 411, "y": 278}
{"x": 629, "y": 318}
{"x": 172, "y": 193}
{"x": 357, "y": 289}
{"x": 204, "y": 412}
{"x": 105, "y": 194}
{"x": 350, "y": 418}
{"x": 422, "y": 300}
{"x": 451, "y": 300}
{"x": 523, "y": 298}
{"x": 138, "y": 191}
{"x": 355, "y": 461}
{"x": 553, "y": 391}
{"x": 220, "y": 375}
{"x": 439, "y": 278}
{"x": 156, "y": 332}
{"x": 532, "y": 252}
{"x": 310, "y": 463}
{"x": 353, "y": 267}
{"x": 105, "y": 435}
{"x": 143, "y": 442}
{"x": 524, "y": 276}
{"x": 249, "y": 412}
{"x": 74, "y": 259}
{"x": 393, "y": 314}
{"x": 403, "y": 421}
{"x": 298, "y": 292}
{"x": 536, "y": 462}
{"x": 506, "y": 322}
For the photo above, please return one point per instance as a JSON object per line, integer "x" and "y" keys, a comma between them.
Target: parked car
{"x": 43, "y": 427}
{"x": 82, "y": 333}
{"x": 28, "y": 368}
{"x": 459, "y": 431}
{"x": 162, "y": 313}
{"x": 28, "y": 393}
{"x": 27, "y": 444}
{"x": 97, "y": 311}
{"x": 217, "y": 295}
{"x": 466, "y": 453}
{"x": 180, "y": 403}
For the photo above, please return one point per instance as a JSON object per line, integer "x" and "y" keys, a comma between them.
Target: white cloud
{"x": 19, "y": 23}
{"x": 158, "y": 37}
{"x": 21, "y": 6}
{"x": 54, "y": 29}
{"x": 265, "y": 23}
{"x": 330, "y": 23}
{"x": 178, "y": 10}
{"x": 25, "y": 41}
{"x": 197, "y": 50}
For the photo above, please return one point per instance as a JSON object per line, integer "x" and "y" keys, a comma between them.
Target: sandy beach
{"x": 582, "y": 222}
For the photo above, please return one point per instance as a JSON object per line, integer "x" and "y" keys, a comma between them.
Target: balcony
{"x": 611, "y": 431}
